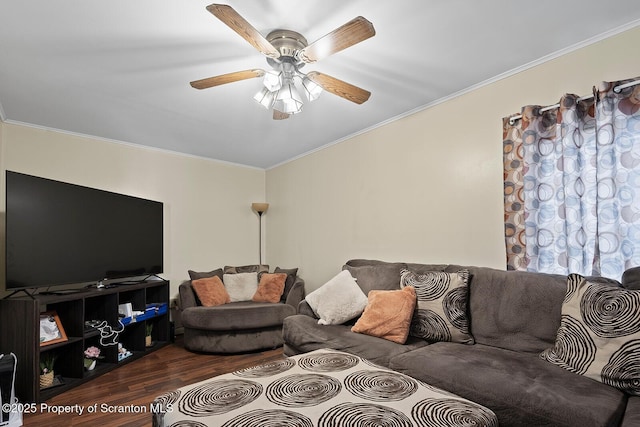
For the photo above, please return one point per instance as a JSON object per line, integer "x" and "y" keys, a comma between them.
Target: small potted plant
{"x": 148, "y": 329}
{"x": 47, "y": 360}
{"x": 91, "y": 355}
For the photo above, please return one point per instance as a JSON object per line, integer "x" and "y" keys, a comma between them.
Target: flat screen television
{"x": 61, "y": 234}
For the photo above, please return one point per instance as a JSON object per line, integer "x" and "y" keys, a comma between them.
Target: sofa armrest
{"x": 305, "y": 309}
{"x": 296, "y": 294}
{"x": 187, "y": 296}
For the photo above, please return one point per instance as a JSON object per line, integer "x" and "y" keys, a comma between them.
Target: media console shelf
{"x": 20, "y": 317}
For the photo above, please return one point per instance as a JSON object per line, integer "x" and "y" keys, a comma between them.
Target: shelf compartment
{"x": 74, "y": 310}
{"x": 101, "y": 308}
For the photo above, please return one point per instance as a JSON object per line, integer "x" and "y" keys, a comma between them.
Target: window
{"x": 572, "y": 184}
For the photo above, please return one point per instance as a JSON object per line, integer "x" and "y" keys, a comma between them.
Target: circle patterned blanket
{"x": 322, "y": 388}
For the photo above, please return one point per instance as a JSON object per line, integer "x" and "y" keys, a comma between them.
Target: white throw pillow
{"x": 241, "y": 286}
{"x": 338, "y": 300}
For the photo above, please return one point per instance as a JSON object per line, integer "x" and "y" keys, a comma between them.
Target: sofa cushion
{"x": 441, "y": 311}
{"x": 520, "y": 388}
{"x": 292, "y": 274}
{"x": 193, "y": 275}
{"x": 210, "y": 291}
{"x": 425, "y": 268}
{"x": 632, "y": 413}
{"x": 270, "y": 287}
{"x": 253, "y": 268}
{"x": 295, "y": 295}
{"x": 338, "y": 300}
{"x": 359, "y": 262}
{"x": 236, "y": 316}
{"x": 305, "y": 308}
{"x": 388, "y": 315}
{"x": 631, "y": 278}
{"x": 302, "y": 334}
{"x": 380, "y": 275}
{"x": 376, "y": 277}
{"x": 599, "y": 334}
{"x": 241, "y": 286}
{"x": 516, "y": 310}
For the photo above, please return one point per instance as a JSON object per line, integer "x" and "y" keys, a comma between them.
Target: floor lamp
{"x": 260, "y": 208}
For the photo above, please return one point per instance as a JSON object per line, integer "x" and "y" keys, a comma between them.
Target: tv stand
{"x": 17, "y": 292}
{"x": 74, "y": 310}
{"x": 62, "y": 292}
{"x": 149, "y": 278}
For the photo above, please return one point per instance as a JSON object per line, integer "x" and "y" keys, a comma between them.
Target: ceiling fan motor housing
{"x": 288, "y": 43}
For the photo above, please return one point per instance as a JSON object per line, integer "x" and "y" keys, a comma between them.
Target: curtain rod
{"x": 616, "y": 89}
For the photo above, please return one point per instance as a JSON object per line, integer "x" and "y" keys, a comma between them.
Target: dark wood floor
{"x": 136, "y": 384}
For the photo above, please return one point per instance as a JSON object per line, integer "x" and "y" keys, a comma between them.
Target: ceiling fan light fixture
{"x": 287, "y": 52}
{"x": 288, "y": 99}
{"x": 311, "y": 89}
{"x": 265, "y": 98}
{"x": 273, "y": 80}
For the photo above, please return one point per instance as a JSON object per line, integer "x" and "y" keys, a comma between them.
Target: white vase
{"x": 90, "y": 366}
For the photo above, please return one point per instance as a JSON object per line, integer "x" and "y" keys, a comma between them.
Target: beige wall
{"x": 207, "y": 204}
{"x": 428, "y": 187}
{"x": 425, "y": 188}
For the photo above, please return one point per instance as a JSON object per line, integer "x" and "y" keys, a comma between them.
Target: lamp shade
{"x": 288, "y": 99}
{"x": 272, "y": 81}
{"x": 265, "y": 98}
{"x": 311, "y": 89}
{"x": 260, "y": 207}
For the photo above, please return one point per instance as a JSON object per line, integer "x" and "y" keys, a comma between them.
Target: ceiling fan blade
{"x": 353, "y": 32}
{"x": 227, "y": 78}
{"x": 339, "y": 87}
{"x": 237, "y": 23}
{"x": 279, "y": 115}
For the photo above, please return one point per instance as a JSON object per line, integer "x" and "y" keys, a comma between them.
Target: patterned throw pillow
{"x": 441, "y": 310}
{"x": 599, "y": 334}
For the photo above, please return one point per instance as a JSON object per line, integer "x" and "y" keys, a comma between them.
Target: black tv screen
{"x": 59, "y": 233}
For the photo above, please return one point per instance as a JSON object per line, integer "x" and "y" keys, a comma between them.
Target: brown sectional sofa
{"x": 514, "y": 316}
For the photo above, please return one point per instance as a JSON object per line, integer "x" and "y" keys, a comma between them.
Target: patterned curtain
{"x": 570, "y": 177}
{"x": 618, "y": 177}
{"x": 514, "y": 214}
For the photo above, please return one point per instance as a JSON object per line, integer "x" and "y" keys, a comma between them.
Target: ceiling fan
{"x": 287, "y": 52}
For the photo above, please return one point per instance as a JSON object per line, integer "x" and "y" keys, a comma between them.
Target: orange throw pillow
{"x": 270, "y": 288}
{"x": 388, "y": 314}
{"x": 210, "y": 291}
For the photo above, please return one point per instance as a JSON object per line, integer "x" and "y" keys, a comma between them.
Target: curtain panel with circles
{"x": 572, "y": 183}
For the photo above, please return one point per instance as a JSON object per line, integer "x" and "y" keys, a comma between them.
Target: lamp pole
{"x": 260, "y": 209}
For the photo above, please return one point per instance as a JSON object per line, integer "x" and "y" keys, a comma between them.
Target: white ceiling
{"x": 121, "y": 69}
